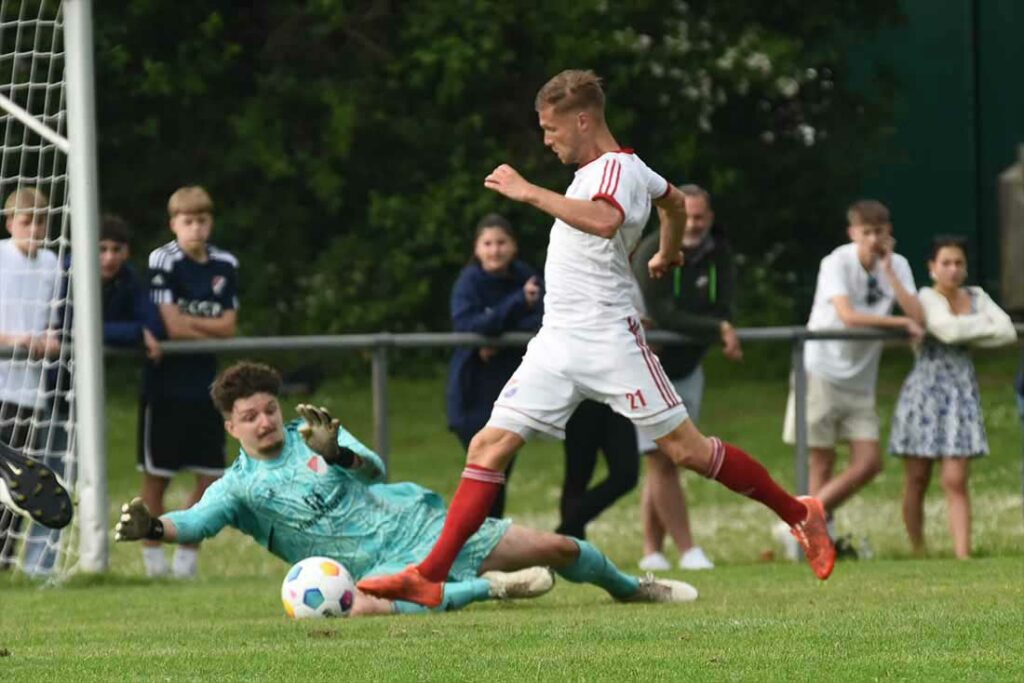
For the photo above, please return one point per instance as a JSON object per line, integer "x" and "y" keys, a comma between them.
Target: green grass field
{"x": 891, "y": 617}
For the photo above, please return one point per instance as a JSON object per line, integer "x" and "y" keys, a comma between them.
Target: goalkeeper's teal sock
{"x": 457, "y": 594}
{"x": 592, "y": 566}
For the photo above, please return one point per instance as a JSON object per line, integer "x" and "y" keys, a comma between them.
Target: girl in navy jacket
{"x": 495, "y": 293}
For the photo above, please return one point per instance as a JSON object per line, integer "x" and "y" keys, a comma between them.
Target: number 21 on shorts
{"x": 636, "y": 399}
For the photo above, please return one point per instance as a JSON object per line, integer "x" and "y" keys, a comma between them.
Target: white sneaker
{"x": 662, "y": 590}
{"x": 155, "y": 562}
{"x": 185, "y": 564}
{"x": 790, "y": 546}
{"x": 654, "y": 562}
{"x": 694, "y": 558}
{"x": 531, "y": 582}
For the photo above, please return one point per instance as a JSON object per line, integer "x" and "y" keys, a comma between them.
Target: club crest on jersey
{"x": 218, "y": 283}
{"x": 317, "y": 464}
{"x": 511, "y": 388}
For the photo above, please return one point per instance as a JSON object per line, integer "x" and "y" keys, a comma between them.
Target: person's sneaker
{"x": 654, "y": 562}
{"x": 185, "y": 563}
{"x": 694, "y": 559}
{"x": 408, "y": 585}
{"x": 845, "y": 550}
{"x": 155, "y": 562}
{"x": 782, "y": 536}
{"x": 662, "y": 590}
{"x": 812, "y": 534}
{"x": 531, "y": 582}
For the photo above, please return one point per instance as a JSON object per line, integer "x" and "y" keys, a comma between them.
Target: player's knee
{"x": 491, "y": 449}
{"x": 562, "y": 551}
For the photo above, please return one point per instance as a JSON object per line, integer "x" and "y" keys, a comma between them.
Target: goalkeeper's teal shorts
{"x": 467, "y": 564}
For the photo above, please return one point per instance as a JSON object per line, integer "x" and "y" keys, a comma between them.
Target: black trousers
{"x": 594, "y": 426}
{"x": 15, "y": 425}
{"x": 498, "y": 509}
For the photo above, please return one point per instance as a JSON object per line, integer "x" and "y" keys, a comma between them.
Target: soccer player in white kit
{"x": 591, "y": 343}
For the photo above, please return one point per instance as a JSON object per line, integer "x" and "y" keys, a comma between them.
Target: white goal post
{"x": 47, "y": 119}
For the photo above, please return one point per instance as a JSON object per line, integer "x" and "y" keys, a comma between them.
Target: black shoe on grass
{"x": 31, "y": 489}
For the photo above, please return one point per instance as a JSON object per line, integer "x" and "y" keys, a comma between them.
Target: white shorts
{"x": 834, "y": 414}
{"x": 612, "y": 365}
{"x": 691, "y": 389}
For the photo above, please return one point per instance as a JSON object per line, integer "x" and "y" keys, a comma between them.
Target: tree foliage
{"x": 345, "y": 143}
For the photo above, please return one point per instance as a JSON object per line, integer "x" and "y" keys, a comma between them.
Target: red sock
{"x": 470, "y": 504}
{"x": 738, "y": 471}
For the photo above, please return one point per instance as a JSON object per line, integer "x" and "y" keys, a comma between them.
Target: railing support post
{"x": 800, "y": 413}
{"x": 381, "y": 435}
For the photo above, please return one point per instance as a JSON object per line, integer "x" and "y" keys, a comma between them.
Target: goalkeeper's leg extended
{"x": 33, "y": 490}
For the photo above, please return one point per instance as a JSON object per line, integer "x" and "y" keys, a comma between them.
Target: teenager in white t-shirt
{"x": 591, "y": 345}
{"x": 858, "y": 284}
{"x": 29, "y": 276}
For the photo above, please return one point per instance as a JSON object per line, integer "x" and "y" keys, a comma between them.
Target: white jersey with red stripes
{"x": 588, "y": 279}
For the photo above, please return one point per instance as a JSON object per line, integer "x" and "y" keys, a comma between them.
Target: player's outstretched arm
{"x": 321, "y": 434}
{"x": 136, "y": 523}
{"x": 594, "y": 217}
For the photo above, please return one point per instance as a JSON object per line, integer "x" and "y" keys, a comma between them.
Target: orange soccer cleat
{"x": 408, "y": 585}
{"x": 812, "y": 533}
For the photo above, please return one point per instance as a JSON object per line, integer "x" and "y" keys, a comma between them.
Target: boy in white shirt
{"x": 858, "y": 283}
{"x": 29, "y": 276}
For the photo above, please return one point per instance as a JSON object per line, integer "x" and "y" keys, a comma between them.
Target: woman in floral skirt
{"x": 938, "y": 417}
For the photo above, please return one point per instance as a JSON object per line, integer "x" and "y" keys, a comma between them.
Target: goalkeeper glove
{"x": 136, "y": 523}
{"x": 321, "y": 434}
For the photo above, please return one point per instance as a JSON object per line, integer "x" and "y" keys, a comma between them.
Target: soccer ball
{"x": 318, "y": 587}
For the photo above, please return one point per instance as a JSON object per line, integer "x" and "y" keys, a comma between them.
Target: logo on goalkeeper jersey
{"x": 218, "y": 283}
{"x": 317, "y": 464}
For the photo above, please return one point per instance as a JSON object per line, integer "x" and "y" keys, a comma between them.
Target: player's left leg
{"x": 580, "y": 562}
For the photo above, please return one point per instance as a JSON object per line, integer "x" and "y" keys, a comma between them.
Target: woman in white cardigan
{"x": 938, "y": 417}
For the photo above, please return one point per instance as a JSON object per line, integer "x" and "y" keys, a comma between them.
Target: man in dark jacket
{"x": 696, "y": 300}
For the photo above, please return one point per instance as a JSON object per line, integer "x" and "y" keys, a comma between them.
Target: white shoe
{"x": 654, "y": 562}
{"x": 790, "y": 546}
{"x": 694, "y": 558}
{"x": 185, "y": 564}
{"x": 531, "y": 582}
{"x": 662, "y": 590}
{"x": 155, "y": 562}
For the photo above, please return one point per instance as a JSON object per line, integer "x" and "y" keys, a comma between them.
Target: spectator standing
{"x": 858, "y": 284}
{"x": 938, "y": 417}
{"x": 29, "y": 281}
{"x": 595, "y": 426}
{"x": 195, "y": 287}
{"x": 495, "y": 293}
{"x": 697, "y": 300}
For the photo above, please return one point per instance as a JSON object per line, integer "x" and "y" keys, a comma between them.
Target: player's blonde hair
{"x": 26, "y": 200}
{"x": 189, "y": 199}
{"x": 868, "y": 212}
{"x": 572, "y": 89}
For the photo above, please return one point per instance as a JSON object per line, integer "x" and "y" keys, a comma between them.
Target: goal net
{"x": 37, "y": 349}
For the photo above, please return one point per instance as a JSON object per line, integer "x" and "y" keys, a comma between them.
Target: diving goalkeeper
{"x": 311, "y": 488}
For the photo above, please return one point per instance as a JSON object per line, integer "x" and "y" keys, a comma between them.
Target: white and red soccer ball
{"x": 318, "y": 587}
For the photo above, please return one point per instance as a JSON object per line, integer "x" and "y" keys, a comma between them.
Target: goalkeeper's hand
{"x": 321, "y": 434}
{"x": 137, "y": 523}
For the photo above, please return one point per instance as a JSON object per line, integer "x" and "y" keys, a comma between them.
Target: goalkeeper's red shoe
{"x": 33, "y": 490}
{"x": 812, "y": 533}
{"x": 408, "y": 585}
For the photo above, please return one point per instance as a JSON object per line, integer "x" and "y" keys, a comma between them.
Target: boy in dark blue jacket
{"x": 130, "y": 318}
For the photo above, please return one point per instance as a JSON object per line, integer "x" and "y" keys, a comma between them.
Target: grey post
{"x": 800, "y": 413}
{"x": 381, "y": 428}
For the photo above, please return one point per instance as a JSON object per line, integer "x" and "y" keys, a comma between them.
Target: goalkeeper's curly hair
{"x": 242, "y": 380}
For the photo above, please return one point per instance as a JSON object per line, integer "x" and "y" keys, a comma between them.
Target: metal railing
{"x": 380, "y": 343}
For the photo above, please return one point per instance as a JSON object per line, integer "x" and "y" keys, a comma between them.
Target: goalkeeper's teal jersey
{"x": 297, "y": 506}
